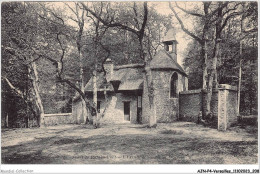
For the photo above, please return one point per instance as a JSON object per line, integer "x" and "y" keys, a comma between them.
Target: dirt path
{"x": 176, "y": 143}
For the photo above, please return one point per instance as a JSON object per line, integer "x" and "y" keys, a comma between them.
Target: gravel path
{"x": 175, "y": 143}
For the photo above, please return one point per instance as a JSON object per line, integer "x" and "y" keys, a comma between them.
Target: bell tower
{"x": 170, "y": 43}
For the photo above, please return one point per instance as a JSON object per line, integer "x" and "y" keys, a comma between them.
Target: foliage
{"x": 15, "y": 59}
{"x": 45, "y": 34}
{"x": 48, "y": 35}
{"x": 228, "y": 62}
{"x": 193, "y": 65}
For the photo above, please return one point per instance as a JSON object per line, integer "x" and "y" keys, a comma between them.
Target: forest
{"x": 51, "y": 49}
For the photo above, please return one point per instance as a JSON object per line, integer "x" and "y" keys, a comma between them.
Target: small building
{"x": 127, "y": 98}
{"x": 127, "y": 93}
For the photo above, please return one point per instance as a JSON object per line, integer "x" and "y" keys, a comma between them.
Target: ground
{"x": 175, "y": 143}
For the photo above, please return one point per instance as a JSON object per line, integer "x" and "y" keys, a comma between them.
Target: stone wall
{"x": 114, "y": 108}
{"x": 55, "y": 119}
{"x": 232, "y": 107}
{"x": 167, "y": 109}
{"x": 227, "y": 107}
{"x": 214, "y": 104}
{"x": 223, "y": 105}
{"x": 190, "y": 105}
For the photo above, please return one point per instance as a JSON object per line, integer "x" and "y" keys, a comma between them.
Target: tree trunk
{"x": 205, "y": 57}
{"x": 212, "y": 83}
{"x": 83, "y": 104}
{"x": 37, "y": 96}
{"x": 86, "y": 117}
{"x": 251, "y": 104}
{"x": 239, "y": 79}
{"x": 27, "y": 113}
{"x": 204, "y": 54}
{"x": 106, "y": 101}
{"x": 150, "y": 86}
{"x": 82, "y": 83}
{"x": 27, "y": 122}
{"x": 204, "y": 78}
{"x": 95, "y": 117}
{"x": 6, "y": 121}
{"x": 209, "y": 92}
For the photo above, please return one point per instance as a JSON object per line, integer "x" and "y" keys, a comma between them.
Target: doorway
{"x": 139, "y": 109}
{"x": 127, "y": 111}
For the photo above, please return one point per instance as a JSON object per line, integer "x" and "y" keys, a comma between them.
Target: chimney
{"x": 170, "y": 43}
{"x": 109, "y": 68}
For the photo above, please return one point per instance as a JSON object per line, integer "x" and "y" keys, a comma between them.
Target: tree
{"x": 194, "y": 65}
{"x": 217, "y": 15}
{"x": 58, "y": 37}
{"x": 227, "y": 65}
{"x": 18, "y": 29}
{"x": 137, "y": 27}
{"x": 141, "y": 29}
{"x": 80, "y": 21}
{"x": 48, "y": 39}
{"x": 99, "y": 32}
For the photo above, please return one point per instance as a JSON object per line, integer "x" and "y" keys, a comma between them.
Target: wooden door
{"x": 127, "y": 111}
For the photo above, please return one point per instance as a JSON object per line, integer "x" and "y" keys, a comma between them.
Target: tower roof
{"x": 170, "y": 36}
{"x": 163, "y": 60}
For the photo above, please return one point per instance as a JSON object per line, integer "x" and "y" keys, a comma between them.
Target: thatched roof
{"x": 130, "y": 77}
{"x": 163, "y": 60}
{"x": 100, "y": 83}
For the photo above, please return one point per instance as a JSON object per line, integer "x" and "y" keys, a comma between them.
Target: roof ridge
{"x": 136, "y": 65}
{"x": 174, "y": 61}
{"x": 163, "y": 60}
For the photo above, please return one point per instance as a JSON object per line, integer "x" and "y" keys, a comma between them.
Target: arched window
{"x": 174, "y": 84}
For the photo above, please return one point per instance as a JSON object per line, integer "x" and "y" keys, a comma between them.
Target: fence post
{"x": 222, "y": 109}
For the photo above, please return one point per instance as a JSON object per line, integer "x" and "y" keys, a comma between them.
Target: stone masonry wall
{"x": 223, "y": 105}
{"x": 227, "y": 107}
{"x": 167, "y": 109}
{"x": 232, "y": 107}
{"x": 115, "y": 108}
{"x": 191, "y": 104}
{"x": 214, "y": 104}
{"x": 55, "y": 119}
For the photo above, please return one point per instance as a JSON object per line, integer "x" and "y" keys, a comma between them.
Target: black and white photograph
{"x": 136, "y": 82}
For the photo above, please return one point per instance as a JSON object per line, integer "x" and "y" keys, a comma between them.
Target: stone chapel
{"x": 128, "y": 95}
